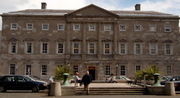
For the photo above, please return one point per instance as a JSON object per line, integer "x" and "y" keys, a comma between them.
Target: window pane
{"x": 76, "y": 47}
{"x": 44, "y": 47}
{"x": 28, "y": 47}
{"x": 29, "y": 26}
{"x": 92, "y": 27}
{"x": 44, "y": 69}
{"x": 91, "y": 48}
{"x": 13, "y": 47}
{"x": 28, "y": 69}
{"x": 45, "y": 26}
{"x": 122, "y": 70}
{"x": 122, "y": 27}
{"x": 60, "y": 27}
{"x": 107, "y": 70}
{"x": 14, "y": 26}
{"x": 75, "y": 68}
{"x": 60, "y": 48}
{"x": 12, "y": 69}
{"x": 138, "y": 68}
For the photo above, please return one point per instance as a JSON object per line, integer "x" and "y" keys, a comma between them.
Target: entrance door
{"x": 92, "y": 72}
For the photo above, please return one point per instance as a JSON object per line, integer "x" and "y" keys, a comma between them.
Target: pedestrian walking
{"x": 86, "y": 80}
{"x": 77, "y": 79}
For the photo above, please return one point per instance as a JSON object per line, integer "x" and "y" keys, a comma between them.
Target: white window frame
{"x": 60, "y": 29}
{"x": 125, "y": 48}
{"x": 46, "y": 73}
{"x": 89, "y": 48}
{"x": 110, "y": 48}
{"x": 107, "y": 70}
{"x": 79, "y": 47}
{"x": 29, "y": 27}
{"x": 141, "y": 48}
{"x": 57, "y": 47}
{"x": 14, "y": 27}
{"x": 42, "y": 47}
{"x": 26, "y": 48}
{"x": 171, "y": 49}
{"x": 75, "y": 28}
{"x": 107, "y": 27}
{"x": 11, "y": 47}
{"x": 14, "y": 69}
{"x": 120, "y": 27}
{"x": 92, "y": 27}
{"x": 167, "y": 28}
{"x": 27, "y": 71}
{"x": 152, "y": 28}
{"x": 44, "y": 25}
{"x": 153, "y": 46}
{"x": 140, "y": 27}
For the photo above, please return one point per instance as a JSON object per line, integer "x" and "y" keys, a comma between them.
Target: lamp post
{"x": 116, "y": 69}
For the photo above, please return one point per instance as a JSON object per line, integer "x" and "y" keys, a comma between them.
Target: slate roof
{"x": 52, "y": 12}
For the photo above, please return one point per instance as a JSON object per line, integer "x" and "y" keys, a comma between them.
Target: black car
{"x": 175, "y": 79}
{"x": 20, "y": 82}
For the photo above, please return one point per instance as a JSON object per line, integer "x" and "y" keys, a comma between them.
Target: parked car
{"x": 118, "y": 79}
{"x": 20, "y": 82}
{"x": 175, "y": 79}
{"x": 123, "y": 79}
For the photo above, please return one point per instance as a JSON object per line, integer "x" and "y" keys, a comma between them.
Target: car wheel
{"x": 2, "y": 89}
{"x": 35, "y": 89}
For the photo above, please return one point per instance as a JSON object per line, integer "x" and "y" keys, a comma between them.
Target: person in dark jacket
{"x": 86, "y": 80}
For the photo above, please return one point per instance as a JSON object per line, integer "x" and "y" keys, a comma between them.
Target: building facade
{"x": 36, "y": 41}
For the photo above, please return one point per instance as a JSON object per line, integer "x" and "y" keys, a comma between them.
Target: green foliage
{"x": 60, "y": 70}
{"x": 148, "y": 73}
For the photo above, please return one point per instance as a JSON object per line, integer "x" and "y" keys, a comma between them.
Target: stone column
{"x": 67, "y": 42}
{"x": 115, "y": 44}
{"x": 99, "y": 44}
{"x": 83, "y": 46}
{"x": 169, "y": 89}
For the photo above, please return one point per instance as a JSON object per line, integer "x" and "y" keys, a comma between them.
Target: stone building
{"x": 36, "y": 41}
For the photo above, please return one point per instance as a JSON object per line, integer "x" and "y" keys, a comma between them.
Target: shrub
{"x": 60, "y": 70}
{"x": 148, "y": 73}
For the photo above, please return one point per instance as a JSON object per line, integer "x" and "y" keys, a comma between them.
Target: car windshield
{"x": 28, "y": 78}
{"x": 34, "y": 78}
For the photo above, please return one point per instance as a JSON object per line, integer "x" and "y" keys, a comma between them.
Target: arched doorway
{"x": 92, "y": 72}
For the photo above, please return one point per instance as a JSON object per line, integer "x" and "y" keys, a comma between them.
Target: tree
{"x": 148, "y": 73}
{"x": 60, "y": 70}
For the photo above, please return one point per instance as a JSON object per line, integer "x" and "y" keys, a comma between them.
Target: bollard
{"x": 55, "y": 89}
{"x": 169, "y": 89}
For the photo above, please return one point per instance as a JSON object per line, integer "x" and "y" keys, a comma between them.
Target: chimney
{"x": 43, "y": 5}
{"x": 138, "y": 7}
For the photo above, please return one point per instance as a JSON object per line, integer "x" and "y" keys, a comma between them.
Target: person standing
{"x": 86, "y": 80}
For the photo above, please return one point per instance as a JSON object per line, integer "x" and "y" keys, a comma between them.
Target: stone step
{"x": 112, "y": 91}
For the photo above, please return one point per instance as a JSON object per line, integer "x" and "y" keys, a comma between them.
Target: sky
{"x": 166, "y": 6}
